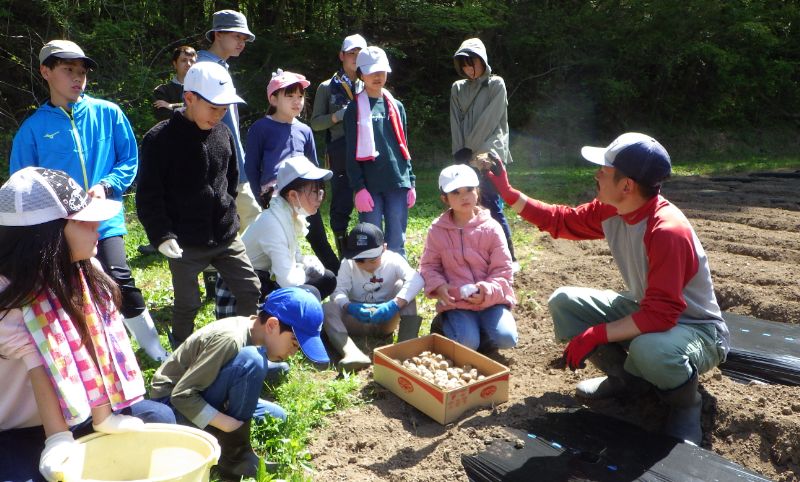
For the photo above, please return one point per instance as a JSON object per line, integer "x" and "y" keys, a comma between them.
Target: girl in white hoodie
{"x": 272, "y": 240}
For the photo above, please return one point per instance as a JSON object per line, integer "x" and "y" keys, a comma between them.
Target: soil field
{"x": 750, "y": 228}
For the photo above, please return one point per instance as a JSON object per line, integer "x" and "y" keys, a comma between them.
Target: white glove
{"x": 57, "y": 449}
{"x": 115, "y": 423}
{"x": 313, "y": 266}
{"x": 468, "y": 290}
{"x": 170, "y": 249}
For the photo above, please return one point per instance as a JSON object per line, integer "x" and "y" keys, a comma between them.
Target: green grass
{"x": 309, "y": 395}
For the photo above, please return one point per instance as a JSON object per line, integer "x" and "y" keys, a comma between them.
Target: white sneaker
{"x": 515, "y": 267}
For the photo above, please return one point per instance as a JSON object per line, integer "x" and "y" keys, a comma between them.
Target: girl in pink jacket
{"x": 466, "y": 265}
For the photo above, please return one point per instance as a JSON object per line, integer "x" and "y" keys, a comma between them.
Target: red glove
{"x": 580, "y": 347}
{"x": 499, "y": 177}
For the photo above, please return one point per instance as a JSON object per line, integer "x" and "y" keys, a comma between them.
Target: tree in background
{"x": 577, "y": 71}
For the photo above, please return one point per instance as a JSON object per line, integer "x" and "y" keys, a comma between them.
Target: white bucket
{"x": 160, "y": 453}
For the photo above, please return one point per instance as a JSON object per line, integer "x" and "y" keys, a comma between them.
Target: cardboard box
{"x": 444, "y": 406}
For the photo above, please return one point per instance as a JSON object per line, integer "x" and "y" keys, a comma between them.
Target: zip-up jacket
{"x": 657, "y": 252}
{"x": 94, "y": 143}
{"x": 476, "y": 253}
{"x": 479, "y": 108}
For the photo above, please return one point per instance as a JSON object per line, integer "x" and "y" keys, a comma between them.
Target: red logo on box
{"x": 488, "y": 391}
{"x": 406, "y": 386}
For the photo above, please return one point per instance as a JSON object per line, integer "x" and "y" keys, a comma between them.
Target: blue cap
{"x": 301, "y": 310}
{"x": 638, "y": 156}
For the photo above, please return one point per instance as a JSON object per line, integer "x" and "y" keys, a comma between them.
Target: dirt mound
{"x": 750, "y": 229}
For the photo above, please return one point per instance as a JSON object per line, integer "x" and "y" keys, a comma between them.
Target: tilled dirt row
{"x": 750, "y": 229}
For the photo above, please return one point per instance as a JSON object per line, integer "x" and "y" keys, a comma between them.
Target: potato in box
{"x": 444, "y": 406}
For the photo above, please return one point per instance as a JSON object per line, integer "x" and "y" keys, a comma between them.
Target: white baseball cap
{"x": 372, "y": 59}
{"x": 353, "y": 42}
{"x": 36, "y": 195}
{"x": 299, "y": 167}
{"x": 212, "y": 82}
{"x": 457, "y": 176}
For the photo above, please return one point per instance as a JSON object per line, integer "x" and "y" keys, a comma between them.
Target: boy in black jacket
{"x": 186, "y": 196}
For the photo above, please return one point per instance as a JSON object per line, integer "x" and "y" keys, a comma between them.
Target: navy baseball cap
{"x": 301, "y": 310}
{"x": 638, "y": 156}
{"x": 364, "y": 241}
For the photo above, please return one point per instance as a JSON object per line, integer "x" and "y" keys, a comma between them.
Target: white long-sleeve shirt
{"x": 355, "y": 284}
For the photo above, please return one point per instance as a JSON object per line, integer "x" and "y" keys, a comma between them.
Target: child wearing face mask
{"x": 280, "y": 135}
{"x": 272, "y": 240}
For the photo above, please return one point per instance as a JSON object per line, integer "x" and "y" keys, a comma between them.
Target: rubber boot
{"x": 686, "y": 405}
{"x": 340, "y": 238}
{"x": 237, "y": 458}
{"x": 610, "y": 359}
{"x": 210, "y": 276}
{"x": 146, "y": 335}
{"x": 409, "y": 327}
{"x": 353, "y": 358}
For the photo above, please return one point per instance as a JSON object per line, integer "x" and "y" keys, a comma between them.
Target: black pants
{"x": 319, "y": 243}
{"x": 111, "y": 254}
{"x": 341, "y": 193}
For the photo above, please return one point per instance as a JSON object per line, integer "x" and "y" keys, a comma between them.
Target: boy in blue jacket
{"x": 92, "y": 140}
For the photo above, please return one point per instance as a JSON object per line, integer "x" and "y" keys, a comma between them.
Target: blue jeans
{"x": 492, "y": 201}
{"x": 236, "y": 389}
{"x": 20, "y": 448}
{"x": 391, "y": 215}
{"x": 495, "y": 323}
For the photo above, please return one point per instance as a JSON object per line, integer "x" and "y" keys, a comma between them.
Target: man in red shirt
{"x": 667, "y": 328}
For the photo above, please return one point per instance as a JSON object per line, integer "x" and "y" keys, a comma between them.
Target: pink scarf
{"x": 365, "y": 137}
{"x": 80, "y": 383}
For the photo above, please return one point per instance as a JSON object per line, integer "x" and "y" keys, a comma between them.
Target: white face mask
{"x": 299, "y": 210}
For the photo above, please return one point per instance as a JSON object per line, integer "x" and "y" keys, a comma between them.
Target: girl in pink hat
{"x": 280, "y": 135}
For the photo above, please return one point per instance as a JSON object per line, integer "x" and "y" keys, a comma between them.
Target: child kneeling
{"x": 375, "y": 291}
{"x": 466, "y": 265}
{"x": 213, "y": 380}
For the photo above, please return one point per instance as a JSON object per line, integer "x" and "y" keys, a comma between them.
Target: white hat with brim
{"x": 354, "y": 42}
{"x": 372, "y": 59}
{"x": 212, "y": 82}
{"x": 299, "y": 167}
{"x": 36, "y": 195}
{"x": 457, "y": 176}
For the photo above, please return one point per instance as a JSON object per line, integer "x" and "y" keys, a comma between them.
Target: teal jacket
{"x": 95, "y": 143}
{"x": 390, "y": 170}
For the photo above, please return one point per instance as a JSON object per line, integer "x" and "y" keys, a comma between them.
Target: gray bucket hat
{"x": 229, "y": 21}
